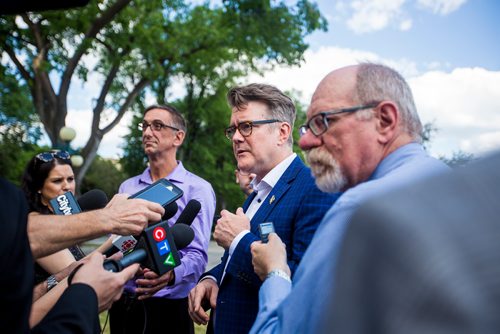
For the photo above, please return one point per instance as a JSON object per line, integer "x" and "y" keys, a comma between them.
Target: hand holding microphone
{"x": 157, "y": 247}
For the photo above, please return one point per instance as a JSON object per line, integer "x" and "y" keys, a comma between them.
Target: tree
{"x": 137, "y": 44}
{"x": 206, "y": 151}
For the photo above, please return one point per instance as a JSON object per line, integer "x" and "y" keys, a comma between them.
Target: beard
{"x": 326, "y": 171}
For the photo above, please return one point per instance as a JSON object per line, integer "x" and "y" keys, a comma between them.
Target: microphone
{"x": 125, "y": 243}
{"x": 189, "y": 213}
{"x": 157, "y": 248}
{"x": 170, "y": 211}
{"x": 65, "y": 204}
{"x": 92, "y": 200}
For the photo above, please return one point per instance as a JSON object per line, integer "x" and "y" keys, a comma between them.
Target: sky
{"x": 447, "y": 50}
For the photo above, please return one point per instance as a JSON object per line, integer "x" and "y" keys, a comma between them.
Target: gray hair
{"x": 280, "y": 106}
{"x": 178, "y": 121}
{"x": 376, "y": 82}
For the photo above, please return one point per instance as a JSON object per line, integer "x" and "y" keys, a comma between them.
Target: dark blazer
{"x": 75, "y": 311}
{"x": 295, "y": 206}
{"x": 425, "y": 259}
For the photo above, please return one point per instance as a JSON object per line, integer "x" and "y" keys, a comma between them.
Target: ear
{"x": 179, "y": 138}
{"x": 387, "y": 115}
{"x": 285, "y": 132}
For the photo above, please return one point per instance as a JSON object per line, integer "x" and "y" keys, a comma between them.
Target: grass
{"x": 197, "y": 328}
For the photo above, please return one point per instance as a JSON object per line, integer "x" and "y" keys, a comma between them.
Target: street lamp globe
{"x": 67, "y": 134}
{"x": 77, "y": 160}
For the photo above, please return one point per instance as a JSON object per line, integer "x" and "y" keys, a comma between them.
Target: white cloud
{"x": 374, "y": 15}
{"x": 465, "y": 105}
{"x": 441, "y": 7}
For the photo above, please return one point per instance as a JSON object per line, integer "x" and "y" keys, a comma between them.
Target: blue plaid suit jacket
{"x": 296, "y": 211}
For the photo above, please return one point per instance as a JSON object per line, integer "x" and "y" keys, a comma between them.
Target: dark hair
{"x": 177, "y": 119}
{"x": 34, "y": 176}
{"x": 280, "y": 106}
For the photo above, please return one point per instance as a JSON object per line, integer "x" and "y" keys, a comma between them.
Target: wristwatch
{"x": 279, "y": 273}
{"x": 51, "y": 282}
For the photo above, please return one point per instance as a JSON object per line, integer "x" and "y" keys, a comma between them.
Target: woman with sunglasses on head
{"x": 48, "y": 175}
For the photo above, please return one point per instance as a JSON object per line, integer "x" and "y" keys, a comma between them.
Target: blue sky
{"x": 463, "y": 37}
{"x": 446, "y": 49}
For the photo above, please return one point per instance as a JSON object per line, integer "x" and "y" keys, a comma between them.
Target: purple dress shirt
{"x": 194, "y": 257}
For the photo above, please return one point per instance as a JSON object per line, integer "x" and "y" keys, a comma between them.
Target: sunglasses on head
{"x": 49, "y": 156}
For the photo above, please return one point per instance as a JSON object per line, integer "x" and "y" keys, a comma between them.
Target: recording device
{"x": 156, "y": 249}
{"x": 125, "y": 243}
{"x": 66, "y": 204}
{"x": 162, "y": 192}
{"x": 189, "y": 213}
{"x": 264, "y": 230}
{"x": 92, "y": 200}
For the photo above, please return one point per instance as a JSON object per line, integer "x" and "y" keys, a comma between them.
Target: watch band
{"x": 279, "y": 273}
{"x": 51, "y": 282}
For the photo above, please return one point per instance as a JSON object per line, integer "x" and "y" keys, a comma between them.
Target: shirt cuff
{"x": 209, "y": 277}
{"x": 236, "y": 241}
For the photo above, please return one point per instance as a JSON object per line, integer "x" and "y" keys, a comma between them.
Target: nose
{"x": 309, "y": 141}
{"x": 66, "y": 186}
{"x": 237, "y": 137}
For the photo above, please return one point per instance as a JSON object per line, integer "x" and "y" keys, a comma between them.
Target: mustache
{"x": 316, "y": 156}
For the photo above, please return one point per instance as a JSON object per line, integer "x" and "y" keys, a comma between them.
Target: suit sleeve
{"x": 75, "y": 311}
{"x": 302, "y": 216}
{"x": 313, "y": 207}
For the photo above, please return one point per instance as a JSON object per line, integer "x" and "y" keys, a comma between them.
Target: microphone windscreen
{"x": 183, "y": 235}
{"x": 92, "y": 200}
{"x": 189, "y": 213}
{"x": 170, "y": 211}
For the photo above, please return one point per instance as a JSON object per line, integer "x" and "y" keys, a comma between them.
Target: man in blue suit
{"x": 284, "y": 193}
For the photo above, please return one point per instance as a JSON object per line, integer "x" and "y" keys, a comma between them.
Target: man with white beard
{"x": 362, "y": 137}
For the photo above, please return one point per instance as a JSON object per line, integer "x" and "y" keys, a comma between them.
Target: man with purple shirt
{"x": 152, "y": 303}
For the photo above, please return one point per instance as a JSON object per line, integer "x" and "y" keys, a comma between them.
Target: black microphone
{"x": 183, "y": 235}
{"x": 65, "y": 204}
{"x": 189, "y": 213}
{"x": 157, "y": 248}
{"x": 128, "y": 242}
{"x": 92, "y": 200}
{"x": 170, "y": 211}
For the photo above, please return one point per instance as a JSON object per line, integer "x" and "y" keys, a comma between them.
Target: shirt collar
{"x": 178, "y": 174}
{"x": 274, "y": 174}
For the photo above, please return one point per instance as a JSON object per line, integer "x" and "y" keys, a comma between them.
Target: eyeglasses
{"x": 245, "y": 128}
{"x": 319, "y": 123}
{"x": 49, "y": 156}
{"x": 155, "y": 126}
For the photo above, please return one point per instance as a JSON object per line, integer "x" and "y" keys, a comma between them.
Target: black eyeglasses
{"x": 155, "y": 126}
{"x": 49, "y": 156}
{"x": 245, "y": 128}
{"x": 319, "y": 123}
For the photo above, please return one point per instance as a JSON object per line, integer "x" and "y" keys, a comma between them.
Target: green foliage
{"x": 458, "y": 159}
{"x": 133, "y": 160}
{"x": 103, "y": 174}
{"x": 139, "y": 44}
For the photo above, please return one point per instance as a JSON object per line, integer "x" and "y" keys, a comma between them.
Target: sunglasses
{"x": 49, "y": 156}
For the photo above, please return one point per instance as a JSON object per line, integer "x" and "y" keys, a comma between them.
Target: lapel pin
{"x": 271, "y": 200}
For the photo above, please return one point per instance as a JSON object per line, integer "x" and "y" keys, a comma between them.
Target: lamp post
{"x": 67, "y": 134}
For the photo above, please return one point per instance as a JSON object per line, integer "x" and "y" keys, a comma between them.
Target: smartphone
{"x": 264, "y": 230}
{"x": 162, "y": 192}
